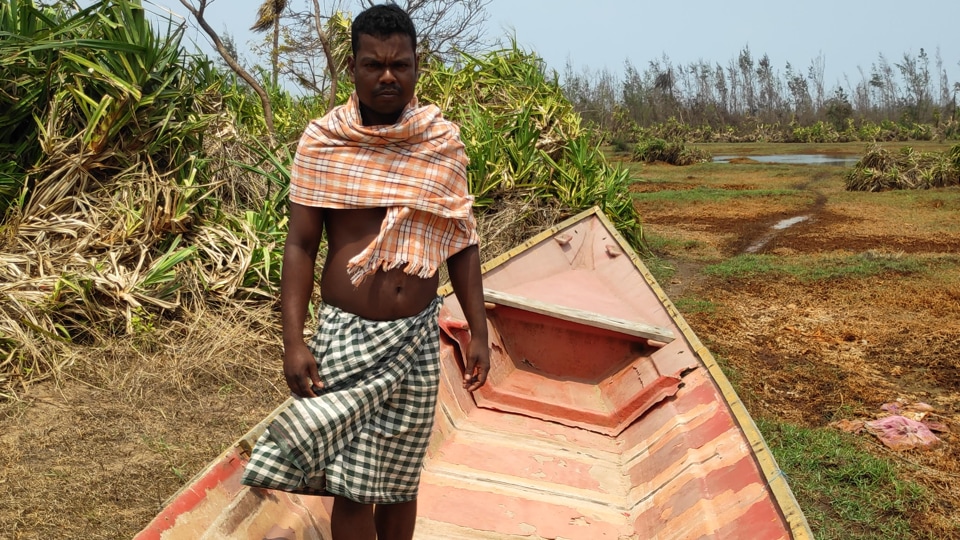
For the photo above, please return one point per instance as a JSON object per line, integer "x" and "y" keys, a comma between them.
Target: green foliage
{"x": 674, "y": 153}
{"x": 838, "y": 109}
{"x": 750, "y": 266}
{"x": 849, "y": 129}
{"x": 954, "y": 156}
{"x": 751, "y": 102}
{"x": 522, "y": 136}
{"x": 86, "y": 90}
{"x": 620, "y": 143}
{"x": 819, "y": 132}
{"x": 265, "y": 226}
{"x": 103, "y": 178}
{"x": 845, "y": 491}
{"x": 133, "y": 169}
{"x": 290, "y": 113}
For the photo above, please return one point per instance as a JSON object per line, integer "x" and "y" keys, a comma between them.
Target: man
{"x": 386, "y": 179}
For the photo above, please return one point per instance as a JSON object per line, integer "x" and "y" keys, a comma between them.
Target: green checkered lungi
{"x": 366, "y": 435}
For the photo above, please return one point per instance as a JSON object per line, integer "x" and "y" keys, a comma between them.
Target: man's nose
{"x": 387, "y": 77}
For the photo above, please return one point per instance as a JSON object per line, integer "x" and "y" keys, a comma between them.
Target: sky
{"x": 604, "y": 34}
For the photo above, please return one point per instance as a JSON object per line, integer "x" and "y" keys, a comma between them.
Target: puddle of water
{"x": 779, "y": 226}
{"x": 796, "y": 159}
{"x": 783, "y": 224}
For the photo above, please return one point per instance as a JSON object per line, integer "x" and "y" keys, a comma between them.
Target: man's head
{"x": 382, "y": 21}
{"x": 384, "y": 62}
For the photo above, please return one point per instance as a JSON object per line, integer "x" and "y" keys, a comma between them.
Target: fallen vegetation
{"x": 880, "y": 169}
{"x": 672, "y": 152}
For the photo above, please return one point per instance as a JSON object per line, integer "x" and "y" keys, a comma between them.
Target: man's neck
{"x": 371, "y": 119}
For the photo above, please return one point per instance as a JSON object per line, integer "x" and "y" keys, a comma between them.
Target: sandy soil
{"x": 96, "y": 455}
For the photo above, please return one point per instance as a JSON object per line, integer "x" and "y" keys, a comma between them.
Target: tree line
{"x": 749, "y": 92}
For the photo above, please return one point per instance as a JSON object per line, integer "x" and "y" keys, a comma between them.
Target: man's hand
{"x": 300, "y": 370}
{"x": 476, "y": 365}
{"x": 464, "y": 268}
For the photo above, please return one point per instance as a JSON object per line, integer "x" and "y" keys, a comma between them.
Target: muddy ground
{"x": 814, "y": 351}
{"x": 96, "y": 454}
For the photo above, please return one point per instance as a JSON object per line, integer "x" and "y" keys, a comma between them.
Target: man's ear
{"x": 351, "y": 67}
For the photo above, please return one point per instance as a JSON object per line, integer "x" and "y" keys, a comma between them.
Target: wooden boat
{"x": 604, "y": 417}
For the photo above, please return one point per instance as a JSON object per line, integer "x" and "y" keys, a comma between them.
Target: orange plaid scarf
{"x": 416, "y": 168}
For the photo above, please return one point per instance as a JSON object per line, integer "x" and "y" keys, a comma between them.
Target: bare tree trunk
{"x": 275, "y": 53}
{"x": 198, "y": 14}
{"x": 815, "y": 74}
{"x": 332, "y": 68}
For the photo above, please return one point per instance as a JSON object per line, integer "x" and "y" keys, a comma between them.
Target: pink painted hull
{"x": 581, "y": 433}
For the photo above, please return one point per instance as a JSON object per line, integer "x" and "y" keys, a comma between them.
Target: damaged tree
{"x": 198, "y": 12}
{"x": 445, "y": 27}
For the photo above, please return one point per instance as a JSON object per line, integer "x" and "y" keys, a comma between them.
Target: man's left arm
{"x": 464, "y": 269}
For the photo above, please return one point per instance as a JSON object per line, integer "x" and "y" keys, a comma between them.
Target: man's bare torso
{"x": 385, "y": 295}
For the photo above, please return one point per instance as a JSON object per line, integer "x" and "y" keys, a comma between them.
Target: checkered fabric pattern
{"x": 416, "y": 168}
{"x": 365, "y": 437}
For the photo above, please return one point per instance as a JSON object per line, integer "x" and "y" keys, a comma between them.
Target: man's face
{"x": 385, "y": 74}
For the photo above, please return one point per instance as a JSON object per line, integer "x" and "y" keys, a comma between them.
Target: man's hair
{"x": 382, "y": 21}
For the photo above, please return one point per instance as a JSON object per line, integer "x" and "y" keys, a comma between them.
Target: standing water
{"x": 795, "y": 159}
{"x": 779, "y": 226}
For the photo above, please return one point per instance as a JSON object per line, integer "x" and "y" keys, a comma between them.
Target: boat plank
{"x": 589, "y": 318}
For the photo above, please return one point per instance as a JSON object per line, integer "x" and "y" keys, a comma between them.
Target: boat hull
{"x": 604, "y": 417}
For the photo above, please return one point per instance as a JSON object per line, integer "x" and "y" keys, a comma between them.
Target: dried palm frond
{"x": 267, "y": 14}
{"x": 881, "y": 170}
{"x": 92, "y": 246}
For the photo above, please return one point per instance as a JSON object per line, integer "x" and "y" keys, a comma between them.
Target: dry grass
{"x": 514, "y": 221}
{"x": 96, "y": 452}
{"x": 98, "y": 261}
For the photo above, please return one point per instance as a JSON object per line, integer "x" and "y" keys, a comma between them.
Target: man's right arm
{"x": 296, "y": 287}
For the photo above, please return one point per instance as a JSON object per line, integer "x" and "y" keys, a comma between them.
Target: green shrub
{"x": 674, "y": 153}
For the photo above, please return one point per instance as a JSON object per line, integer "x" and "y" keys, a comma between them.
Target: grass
{"x": 709, "y": 194}
{"x": 695, "y": 305}
{"x": 661, "y": 268}
{"x": 763, "y": 149}
{"x": 730, "y": 371}
{"x": 944, "y": 199}
{"x": 814, "y": 268}
{"x": 656, "y": 243}
{"x": 768, "y": 176}
{"x": 846, "y": 493}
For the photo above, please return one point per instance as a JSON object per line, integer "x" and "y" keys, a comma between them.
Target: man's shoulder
{"x": 439, "y": 127}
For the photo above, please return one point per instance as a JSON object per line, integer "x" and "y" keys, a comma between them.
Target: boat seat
{"x": 589, "y": 318}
